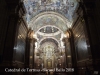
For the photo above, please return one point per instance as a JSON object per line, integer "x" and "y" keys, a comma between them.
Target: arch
{"x": 50, "y": 34}
{"x": 48, "y": 26}
{"x": 56, "y": 41}
{"x": 63, "y": 23}
{"x": 45, "y": 43}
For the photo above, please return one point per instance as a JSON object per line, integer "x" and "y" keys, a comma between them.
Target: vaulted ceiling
{"x": 66, "y": 8}
{"x": 49, "y": 18}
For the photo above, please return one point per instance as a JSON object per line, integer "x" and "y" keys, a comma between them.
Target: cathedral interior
{"x": 49, "y": 37}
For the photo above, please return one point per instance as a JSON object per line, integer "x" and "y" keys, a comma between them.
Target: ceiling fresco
{"x": 48, "y": 30}
{"x": 64, "y": 7}
{"x": 49, "y": 40}
{"x": 51, "y": 19}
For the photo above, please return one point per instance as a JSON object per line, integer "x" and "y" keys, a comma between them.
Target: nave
{"x": 49, "y": 34}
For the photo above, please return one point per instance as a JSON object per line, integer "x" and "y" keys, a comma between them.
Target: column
{"x": 34, "y": 40}
{"x": 29, "y": 53}
{"x": 32, "y": 49}
{"x": 64, "y": 40}
{"x": 70, "y": 51}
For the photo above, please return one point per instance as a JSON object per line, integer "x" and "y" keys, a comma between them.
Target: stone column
{"x": 33, "y": 54}
{"x": 32, "y": 49}
{"x": 34, "y": 40}
{"x": 29, "y": 53}
{"x": 73, "y": 52}
{"x": 64, "y": 40}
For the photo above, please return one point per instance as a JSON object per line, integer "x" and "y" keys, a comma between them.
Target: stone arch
{"x": 65, "y": 23}
{"x": 57, "y": 42}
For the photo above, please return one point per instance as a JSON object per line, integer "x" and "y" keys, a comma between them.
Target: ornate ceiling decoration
{"x": 49, "y": 40}
{"x": 48, "y": 29}
{"x": 64, "y": 7}
{"x": 49, "y": 18}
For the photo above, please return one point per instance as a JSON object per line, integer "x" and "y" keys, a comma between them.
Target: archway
{"x": 49, "y": 29}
